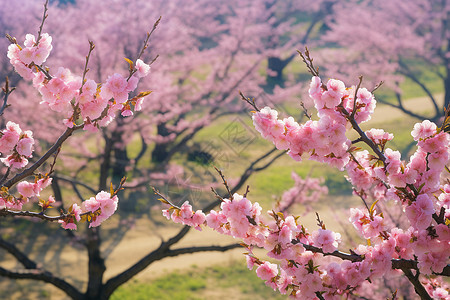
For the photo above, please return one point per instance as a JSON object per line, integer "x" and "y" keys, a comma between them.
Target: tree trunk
{"x": 275, "y": 65}
{"x": 105, "y": 164}
{"x": 120, "y": 163}
{"x": 160, "y": 152}
{"x": 96, "y": 265}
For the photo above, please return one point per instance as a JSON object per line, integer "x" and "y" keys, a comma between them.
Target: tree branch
{"x": 46, "y": 276}
{"x": 418, "y": 287}
{"x": 29, "y": 171}
{"x": 19, "y": 255}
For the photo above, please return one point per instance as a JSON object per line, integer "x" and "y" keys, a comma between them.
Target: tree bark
{"x": 96, "y": 265}
{"x": 160, "y": 152}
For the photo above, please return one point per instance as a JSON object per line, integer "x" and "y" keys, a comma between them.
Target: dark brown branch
{"x": 5, "y": 176}
{"x": 190, "y": 250}
{"x": 362, "y": 135}
{"x": 225, "y": 183}
{"x": 377, "y": 86}
{"x": 42, "y": 275}
{"x": 19, "y": 255}
{"x": 5, "y": 212}
{"x": 29, "y": 171}
{"x": 401, "y": 264}
{"x": 418, "y": 287}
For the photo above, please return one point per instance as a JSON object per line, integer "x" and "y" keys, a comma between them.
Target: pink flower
{"x": 91, "y": 204}
{"x": 68, "y": 225}
{"x": 198, "y": 218}
{"x": 166, "y": 213}
{"x": 215, "y": 219}
{"x": 267, "y": 271}
{"x": 250, "y": 261}
{"x": 186, "y": 210}
{"x": 423, "y": 130}
{"x": 25, "y": 146}
{"x": 420, "y": 212}
{"x": 115, "y": 87}
{"x": 326, "y": 239}
{"x": 15, "y": 161}
{"x": 379, "y": 136}
{"x": 285, "y": 235}
{"x": 26, "y": 189}
{"x": 142, "y": 68}
{"x": 76, "y": 211}
{"x": 10, "y": 136}
{"x": 127, "y": 113}
{"x": 89, "y": 87}
{"x": 315, "y": 88}
{"x": 26, "y": 55}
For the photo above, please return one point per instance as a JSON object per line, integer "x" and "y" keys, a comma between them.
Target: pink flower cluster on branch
{"x": 78, "y": 98}
{"x": 16, "y": 145}
{"x": 302, "y": 270}
{"x": 85, "y": 104}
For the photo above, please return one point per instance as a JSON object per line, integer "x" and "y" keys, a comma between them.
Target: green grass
{"x": 232, "y": 281}
{"x": 173, "y": 286}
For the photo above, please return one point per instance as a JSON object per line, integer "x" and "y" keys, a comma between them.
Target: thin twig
{"x": 217, "y": 194}
{"x": 44, "y": 17}
{"x": 46, "y": 73}
{"x": 7, "y": 91}
{"x": 308, "y": 60}
{"x": 225, "y": 183}
{"x": 354, "y": 97}
{"x": 164, "y": 198}
{"x": 149, "y": 34}
{"x": 133, "y": 70}
{"x": 305, "y": 110}
{"x": 83, "y": 80}
{"x": 249, "y": 101}
{"x": 377, "y": 86}
{"x": 320, "y": 223}
{"x": 247, "y": 190}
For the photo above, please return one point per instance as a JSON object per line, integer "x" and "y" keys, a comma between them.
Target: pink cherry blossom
{"x": 142, "y": 68}
{"x": 267, "y": 271}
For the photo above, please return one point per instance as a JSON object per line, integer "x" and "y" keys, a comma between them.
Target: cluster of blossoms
{"x": 33, "y": 53}
{"x": 63, "y": 92}
{"x": 85, "y": 103}
{"x": 26, "y": 190}
{"x": 302, "y": 270}
{"x": 96, "y": 210}
{"x": 16, "y": 146}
